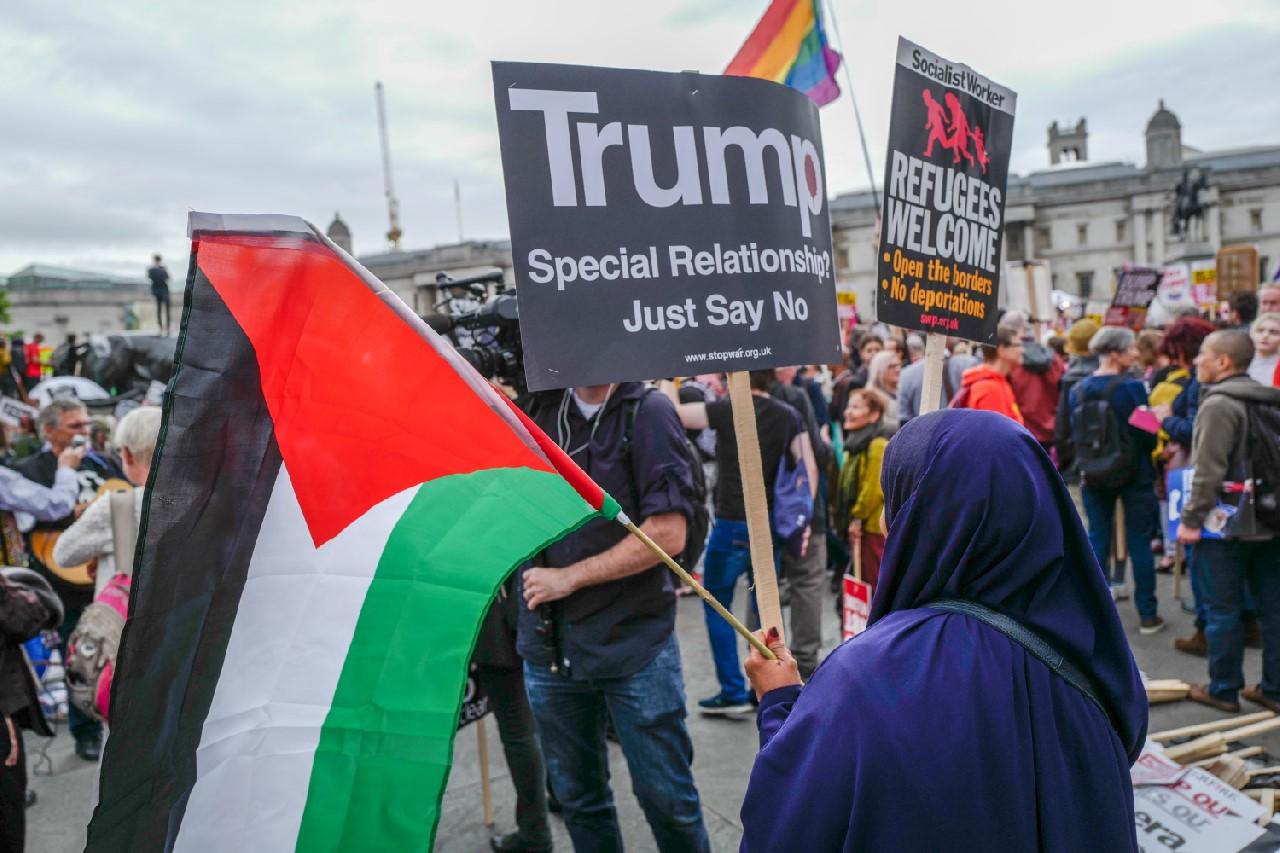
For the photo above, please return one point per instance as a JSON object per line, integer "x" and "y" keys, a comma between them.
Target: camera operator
{"x": 598, "y": 630}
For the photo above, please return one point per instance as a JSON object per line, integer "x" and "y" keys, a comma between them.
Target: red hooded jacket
{"x": 1037, "y": 395}
{"x": 984, "y": 387}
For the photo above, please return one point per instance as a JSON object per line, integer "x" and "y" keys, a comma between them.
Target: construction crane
{"x": 393, "y": 204}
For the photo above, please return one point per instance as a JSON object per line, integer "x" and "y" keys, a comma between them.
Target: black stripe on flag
{"x": 214, "y": 471}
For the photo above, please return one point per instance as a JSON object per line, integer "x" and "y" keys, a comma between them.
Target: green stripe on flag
{"x": 385, "y": 750}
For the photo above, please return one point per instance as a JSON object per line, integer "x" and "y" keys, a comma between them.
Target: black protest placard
{"x": 663, "y": 224}
{"x": 475, "y": 702}
{"x": 1135, "y": 289}
{"x": 944, "y": 196}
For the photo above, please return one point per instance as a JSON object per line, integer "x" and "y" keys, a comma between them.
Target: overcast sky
{"x": 117, "y": 118}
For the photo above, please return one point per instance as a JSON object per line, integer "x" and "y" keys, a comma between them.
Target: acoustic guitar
{"x": 42, "y": 542}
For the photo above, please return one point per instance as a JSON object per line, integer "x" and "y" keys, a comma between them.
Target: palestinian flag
{"x": 335, "y": 498}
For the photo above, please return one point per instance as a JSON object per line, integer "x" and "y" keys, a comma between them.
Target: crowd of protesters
{"x": 580, "y": 646}
{"x": 1104, "y": 410}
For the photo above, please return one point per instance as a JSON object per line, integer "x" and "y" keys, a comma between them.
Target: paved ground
{"x": 724, "y": 751}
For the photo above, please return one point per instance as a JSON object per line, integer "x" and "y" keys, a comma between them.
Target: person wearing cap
{"x": 1082, "y": 364}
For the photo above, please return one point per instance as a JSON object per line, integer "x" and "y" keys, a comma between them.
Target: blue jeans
{"x": 727, "y": 558}
{"x": 1226, "y": 567}
{"x": 1195, "y": 572}
{"x": 1139, "y": 509}
{"x": 648, "y": 710}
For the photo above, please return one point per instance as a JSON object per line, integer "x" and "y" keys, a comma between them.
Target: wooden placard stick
{"x": 486, "y": 796}
{"x": 1253, "y": 729}
{"x": 1247, "y": 752}
{"x": 756, "y": 501}
{"x": 1121, "y": 545}
{"x": 1177, "y": 569}
{"x": 698, "y": 588}
{"x": 1032, "y": 300}
{"x": 1264, "y": 771}
{"x": 1202, "y": 747}
{"x": 1167, "y": 684}
{"x": 1216, "y": 743}
{"x": 1267, "y": 799}
{"x": 935, "y": 351}
{"x": 1214, "y": 726}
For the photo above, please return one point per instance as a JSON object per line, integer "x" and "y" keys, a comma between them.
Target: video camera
{"x": 486, "y": 335}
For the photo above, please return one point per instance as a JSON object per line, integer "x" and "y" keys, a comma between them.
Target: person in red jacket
{"x": 987, "y": 385}
{"x": 34, "y": 370}
{"x": 1035, "y": 381}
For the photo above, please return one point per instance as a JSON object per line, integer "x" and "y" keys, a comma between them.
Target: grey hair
{"x": 1015, "y": 320}
{"x": 51, "y": 415}
{"x": 1111, "y": 339}
{"x": 138, "y": 431}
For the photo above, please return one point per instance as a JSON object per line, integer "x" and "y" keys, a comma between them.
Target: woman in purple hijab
{"x": 992, "y": 704}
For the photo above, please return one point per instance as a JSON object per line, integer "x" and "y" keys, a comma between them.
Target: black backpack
{"x": 1105, "y": 450}
{"x": 698, "y": 526}
{"x": 1263, "y": 460}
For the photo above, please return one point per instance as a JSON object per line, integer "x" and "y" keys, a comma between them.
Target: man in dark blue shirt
{"x": 597, "y": 632}
{"x": 160, "y": 291}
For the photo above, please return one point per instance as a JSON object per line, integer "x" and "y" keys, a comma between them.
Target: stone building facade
{"x": 57, "y": 301}
{"x": 1086, "y": 219}
{"x": 412, "y": 273}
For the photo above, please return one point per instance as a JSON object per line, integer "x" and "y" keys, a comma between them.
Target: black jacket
{"x": 616, "y": 628}
{"x": 1081, "y": 367}
{"x": 496, "y": 642}
{"x": 27, "y": 606}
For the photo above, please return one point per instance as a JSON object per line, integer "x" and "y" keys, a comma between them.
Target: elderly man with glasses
{"x": 59, "y": 423}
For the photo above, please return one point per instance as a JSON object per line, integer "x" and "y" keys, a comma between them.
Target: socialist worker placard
{"x": 942, "y": 222}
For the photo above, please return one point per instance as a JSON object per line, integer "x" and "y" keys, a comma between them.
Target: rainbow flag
{"x": 789, "y": 45}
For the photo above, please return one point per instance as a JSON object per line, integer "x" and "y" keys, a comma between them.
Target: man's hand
{"x": 1188, "y": 535}
{"x": 855, "y": 530}
{"x": 766, "y": 675}
{"x": 72, "y": 457}
{"x": 1162, "y": 411}
{"x": 80, "y": 508}
{"x": 543, "y": 586}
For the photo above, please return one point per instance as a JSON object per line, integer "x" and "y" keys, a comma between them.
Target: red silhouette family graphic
{"x": 953, "y": 133}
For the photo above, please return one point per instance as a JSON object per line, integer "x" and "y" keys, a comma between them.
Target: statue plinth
{"x": 1178, "y": 250}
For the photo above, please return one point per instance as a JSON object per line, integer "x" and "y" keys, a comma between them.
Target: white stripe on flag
{"x": 288, "y": 644}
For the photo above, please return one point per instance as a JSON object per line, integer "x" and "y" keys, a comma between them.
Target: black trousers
{"x": 162, "y": 304}
{"x": 13, "y": 797}
{"x": 510, "y": 705}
